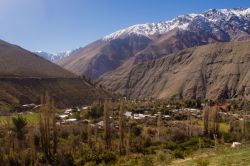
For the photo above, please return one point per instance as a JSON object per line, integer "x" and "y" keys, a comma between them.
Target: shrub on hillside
{"x": 84, "y": 136}
{"x": 201, "y": 162}
{"x": 229, "y": 137}
{"x": 98, "y": 157}
{"x": 95, "y": 112}
{"x": 170, "y": 145}
{"x": 178, "y": 154}
{"x": 136, "y": 131}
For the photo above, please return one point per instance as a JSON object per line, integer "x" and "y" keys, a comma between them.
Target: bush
{"x": 19, "y": 125}
{"x": 136, "y": 131}
{"x": 147, "y": 142}
{"x": 163, "y": 157}
{"x": 77, "y": 115}
{"x": 84, "y": 136}
{"x": 66, "y": 159}
{"x": 193, "y": 103}
{"x": 191, "y": 144}
{"x": 229, "y": 137}
{"x": 99, "y": 157}
{"x": 95, "y": 112}
{"x": 64, "y": 134}
{"x": 178, "y": 154}
{"x": 178, "y": 133}
{"x": 151, "y": 132}
{"x": 194, "y": 143}
{"x": 107, "y": 157}
{"x": 201, "y": 162}
{"x": 146, "y": 161}
{"x": 170, "y": 145}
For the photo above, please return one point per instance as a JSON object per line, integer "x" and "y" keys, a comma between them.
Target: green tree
{"x": 19, "y": 123}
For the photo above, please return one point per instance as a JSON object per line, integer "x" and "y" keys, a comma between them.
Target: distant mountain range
{"x": 53, "y": 57}
{"x": 218, "y": 22}
{"x": 115, "y": 59}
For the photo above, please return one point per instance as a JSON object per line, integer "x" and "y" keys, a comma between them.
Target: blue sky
{"x": 59, "y": 25}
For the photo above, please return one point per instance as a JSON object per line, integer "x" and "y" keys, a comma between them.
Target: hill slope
{"x": 17, "y": 62}
{"x": 101, "y": 56}
{"x": 66, "y": 92}
{"x": 212, "y": 71}
{"x": 24, "y": 77}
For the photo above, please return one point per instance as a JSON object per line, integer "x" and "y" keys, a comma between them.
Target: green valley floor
{"x": 223, "y": 156}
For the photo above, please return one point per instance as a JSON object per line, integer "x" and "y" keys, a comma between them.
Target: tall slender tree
{"x": 47, "y": 125}
{"x": 159, "y": 123}
{"x": 246, "y": 108}
{"x": 107, "y": 134}
{"x": 189, "y": 124}
{"x": 121, "y": 128}
{"x": 211, "y": 121}
{"x": 90, "y": 135}
{"x": 128, "y": 141}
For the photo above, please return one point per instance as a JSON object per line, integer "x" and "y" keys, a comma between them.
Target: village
{"x": 174, "y": 129}
{"x": 144, "y": 113}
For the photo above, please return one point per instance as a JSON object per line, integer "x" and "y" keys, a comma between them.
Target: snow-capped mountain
{"x": 212, "y": 19}
{"x": 144, "y": 42}
{"x": 53, "y": 57}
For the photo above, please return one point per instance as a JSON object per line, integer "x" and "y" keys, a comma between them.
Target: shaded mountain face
{"x": 17, "y": 62}
{"x": 103, "y": 56}
{"x": 24, "y": 77}
{"x": 66, "y": 92}
{"x": 213, "y": 71}
{"x": 149, "y": 41}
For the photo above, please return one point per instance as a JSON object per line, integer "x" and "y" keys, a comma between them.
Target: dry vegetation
{"x": 119, "y": 139}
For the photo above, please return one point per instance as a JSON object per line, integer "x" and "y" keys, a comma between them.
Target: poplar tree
{"x": 121, "y": 128}
{"x": 211, "y": 121}
{"x": 107, "y": 134}
{"x": 159, "y": 121}
{"x": 48, "y": 129}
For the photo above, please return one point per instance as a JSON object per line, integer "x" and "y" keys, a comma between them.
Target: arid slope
{"x": 215, "y": 71}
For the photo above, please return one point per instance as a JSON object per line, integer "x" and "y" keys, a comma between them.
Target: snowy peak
{"x": 211, "y": 16}
{"x": 230, "y": 12}
{"x": 150, "y": 29}
{"x": 53, "y": 57}
{"x": 44, "y": 55}
{"x": 225, "y": 14}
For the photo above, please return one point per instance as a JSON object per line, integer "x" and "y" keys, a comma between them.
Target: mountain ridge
{"x": 108, "y": 54}
{"x": 181, "y": 22}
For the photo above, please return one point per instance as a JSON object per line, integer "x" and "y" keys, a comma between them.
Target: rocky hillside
{"x": 149, "y": 41}
{"x": 213, "y": 71}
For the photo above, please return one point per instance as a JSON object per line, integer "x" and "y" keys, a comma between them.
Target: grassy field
{"x": 31, "y": 119}
{"x": 223, "y": 156}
